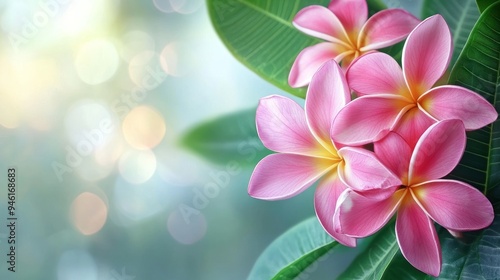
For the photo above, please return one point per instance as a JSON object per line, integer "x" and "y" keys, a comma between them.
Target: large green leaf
{"x": 460, "y": 16}
{"x": 260, "y": 34}
{"x": 483, "y": 4}
{"x": 478, "y": 69}
{"x": 293, "y": 252}
{"x": 297, "y": 252}
{"x": 476, "y": 257}
{"x": 229, "y": 138}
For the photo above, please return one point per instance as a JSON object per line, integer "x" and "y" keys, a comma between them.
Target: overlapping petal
{"x": 426, "y": 54}
{"x": 376, "y": 73}
{"x": 326, "y": 95}
{"x": 417, "y": 238}
{"x": 310, "y": 60}
{"x": 325, "y": 203}
{"x": 368, "y": 118}
{"x": 413, "y": 124}
{"x": 438, "y": 151}
{"x": 361, "y": 216}
{"x": 351, "y": 13}
{"x": 386, "y": 28}
{"x": 395, "y": 153}
{"x": 361, "y": 170}
{"x": 281, "y": 176}
{"x": 320, "y": 22}
{"x": 282, "y": 126}
{"x": 454, "y": 102}
{"x": 454, "y": 205}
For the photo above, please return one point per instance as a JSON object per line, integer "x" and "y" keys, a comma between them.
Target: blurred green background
{"x": 95, "y": 97}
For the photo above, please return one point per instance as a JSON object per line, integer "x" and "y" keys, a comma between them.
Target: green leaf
{"x": 260, "y": 34}
{"x": 297, "y": 252}
{"x": 293, "y": 252}
{"x": 228, "y": 138}
{"x": 373, "y": 262}
{"x": 483, "y": 4}
{"x": 400, "y": 268}
{"x": 460, "y": 16}
{"x": 375, "y": 6}
{"x": 475, "y": 257}
{"x": 478, "y": 69}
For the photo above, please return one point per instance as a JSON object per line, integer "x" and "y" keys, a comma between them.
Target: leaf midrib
{"x": 332, "y": 244}
{"x": 394, "y": 244}
{"x": 490, "y": 144}
{"x": 461, "y": 21}
{"x": 266, "y": 13}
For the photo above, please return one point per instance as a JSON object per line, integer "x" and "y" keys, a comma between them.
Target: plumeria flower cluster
{"x": 416, "y": 131}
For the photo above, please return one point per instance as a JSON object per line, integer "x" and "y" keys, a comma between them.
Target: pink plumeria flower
{"x": 348, "y": 33}
{"x": 405, "y": 101}
{"x": 421, "y": 198}
{"x": 305, "y": 152}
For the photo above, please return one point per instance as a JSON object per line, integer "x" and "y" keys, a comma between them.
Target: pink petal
{"x": 385, "y": 75}
{"x": 426, "y": 54}
{"x": 361, "y": 170}
{"x": 395, "y": 153}
{"x": 282, "y": 126}
{"x": 320, "y": 22}
{"x": 367, "y": 119}
{"x": 454, "y": 102}
{"x": 386, "y": 28}
{"x": 325, "y": 203}
{"x": 413, "y": 124}
{"x": 352, "y": 13}
{"x": 456, "y": 234}
{"x": 417, "y": 238}
{"x": 438, "y": 151}
{"x": 326, "y": 95}
{"x": 310, "y": 60}
{"x": 361, "y": 216}
{"x": 281, "y": 176}
{"x": 454, "y": 205}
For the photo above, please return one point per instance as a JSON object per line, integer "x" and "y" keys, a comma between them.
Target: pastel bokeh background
{"x": 95, "y": 96}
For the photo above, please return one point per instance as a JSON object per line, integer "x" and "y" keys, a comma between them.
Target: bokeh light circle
{"x": 186, "y": 6}
{"x": 187, "y": 225}
{"x": 145, "y": 70}
{"x": 88, "y": 213}
{"x": 143, "y": 127}
{"x": 90, "y": 125}
{"x": 137, "y": 166}
{"x": 96, "y": 61}
{"x": 173, "y": 59}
